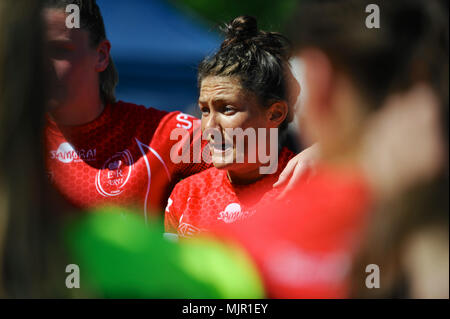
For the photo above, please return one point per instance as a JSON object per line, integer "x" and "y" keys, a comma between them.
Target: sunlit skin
{"x": 293, "y": 87}
{"x": 73, "y": 67}
{"x": 396, "y": 146}
{"x": 334, "y": 112}
{"x": 225, "y": 104}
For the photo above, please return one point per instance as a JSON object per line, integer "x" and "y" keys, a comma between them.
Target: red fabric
{"x": 304, "y": 246}
{"x": 200, "y": 201}
{"x": 121, "y": 158}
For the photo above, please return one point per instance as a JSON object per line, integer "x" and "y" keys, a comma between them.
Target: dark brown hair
{"x": 258, "y": 58}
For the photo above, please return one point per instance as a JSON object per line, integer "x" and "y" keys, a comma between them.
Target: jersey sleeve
{"x": 186, "y": 153}
{"x": 174, "y": 209}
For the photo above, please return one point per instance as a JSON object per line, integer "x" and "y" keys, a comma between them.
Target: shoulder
{"x": 178, "y": 119}
{"x": 134, "y": 113}
{"x": 138, "y": 112}
{"x": 200, "y": 183}
{"x": 148, "y": 119}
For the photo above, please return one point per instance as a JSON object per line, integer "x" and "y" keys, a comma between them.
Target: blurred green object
{"x": 271, "y": 14}
{"x": 121, "y": 257}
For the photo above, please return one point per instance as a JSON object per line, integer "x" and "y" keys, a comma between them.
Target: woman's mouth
{"x": 220, "y": 147}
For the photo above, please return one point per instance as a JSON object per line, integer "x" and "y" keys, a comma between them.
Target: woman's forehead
{"x": 56, "y": 30}
{"x": 220, "y": 87}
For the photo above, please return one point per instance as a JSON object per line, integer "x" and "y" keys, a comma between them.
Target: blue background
{"x": 156, "y": 48}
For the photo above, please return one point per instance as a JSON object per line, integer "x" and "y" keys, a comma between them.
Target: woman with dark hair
{"x": 247, "y": 85}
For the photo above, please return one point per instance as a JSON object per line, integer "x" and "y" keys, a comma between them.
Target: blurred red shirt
{"x": 205, "y": 199}
{"x": 304, "y": 246}
{"x": 121, "y": 158}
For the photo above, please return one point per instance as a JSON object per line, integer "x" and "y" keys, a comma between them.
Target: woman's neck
{"x": 244, "y": 178}
{"x": 72, "y": 116}
{"x": 249, "y": 175}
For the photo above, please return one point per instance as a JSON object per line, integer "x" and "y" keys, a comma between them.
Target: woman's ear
{"x": 102, "y": 56}
{"x": 277, "y": 113}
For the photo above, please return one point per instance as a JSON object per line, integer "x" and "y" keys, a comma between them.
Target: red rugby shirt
{"x": 305, "y": 245}
{"x": 121, "y": 158}
{"x": 199, "y": 202}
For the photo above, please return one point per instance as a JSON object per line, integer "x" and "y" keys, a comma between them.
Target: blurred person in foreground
{"x": 100, "y": 151}
{"x": 369, "y": 92}
{"x": 246, "y": 85}
{"x": 31, "y": 260}
{"x": 408, "y": 234}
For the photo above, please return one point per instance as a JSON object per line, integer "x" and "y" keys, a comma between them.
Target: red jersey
{"x": 304, "y": 247}
{"x": 199, "y": 202}
{"x": 121, "y": 158}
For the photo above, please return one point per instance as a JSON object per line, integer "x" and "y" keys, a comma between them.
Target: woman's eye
{"x": 229, "y": 110}
{"x": 59, "y": 52}
{"x": 204, "y": 110}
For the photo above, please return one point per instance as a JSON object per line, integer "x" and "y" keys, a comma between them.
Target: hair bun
{"x": 241, "y": 28}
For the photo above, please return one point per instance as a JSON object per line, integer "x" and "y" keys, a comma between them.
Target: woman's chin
{"x": 221, "y": 162}
{"x": 221, "y": 165}
{"x": 222, "y": 158}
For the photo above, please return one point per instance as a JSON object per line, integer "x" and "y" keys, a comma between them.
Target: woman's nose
{"x": 212, "y": 125}
{"x": 212, "y": 121}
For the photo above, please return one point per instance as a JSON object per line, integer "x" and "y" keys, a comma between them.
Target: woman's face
{"x": 226, "y": 105}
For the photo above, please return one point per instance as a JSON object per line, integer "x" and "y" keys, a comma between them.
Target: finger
{"x": 310, "y": 173}
{"x": 286, "y": 173}
{"x": 299, "y": 172}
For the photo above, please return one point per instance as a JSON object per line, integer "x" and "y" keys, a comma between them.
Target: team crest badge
{"x": 115, "y": 173}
